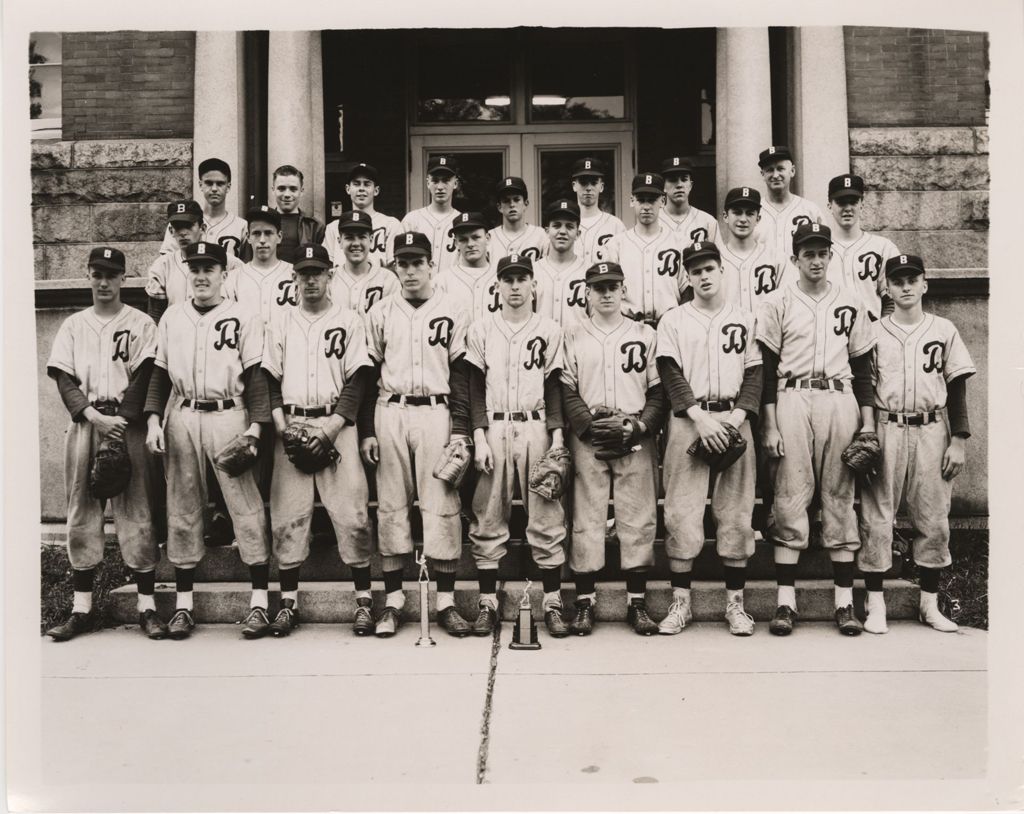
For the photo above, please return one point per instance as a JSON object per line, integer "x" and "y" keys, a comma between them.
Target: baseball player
{"x": 597, "y": 227}
{"x": 815, "y": 341}
{"x": 207, "y": 365}
{"x": 921, "y": 370}
{"x": 226, "y": 228}
{"x": 317, "y": 365}
{"x": 101, "y": 360}
{"x": 435, "y": 219}
{"x": 710, "y": 366}
{"x": 359, "y": 282}
{"x": 296, "y": 228}
{"x": 362, "y": 189}
{"x": 560, "y": 275}
{"x": 748, "y": 268}
{"x": 265, "y": 284}
{"x": 781, "y": 210}
{"x": 691, "y": 223}
{"x": 417, "y": 339}
{"x": 514, "y": 235}
{"x": 470, "y": 284}
{"x": 167, "y": 280}
{"x": 610, "y": 361}
{"x": 650, "y": 254}
{"x": 858, "y": 257}
{"x": 515, "y": 360}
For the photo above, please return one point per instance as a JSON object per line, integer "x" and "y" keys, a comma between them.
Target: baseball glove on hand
{"x": 111, "y": 469}
{"x": 454, "y": 461}
{"x": 237, "y": 455}
{"x": 549, "y": 474}
{"x": 613, "y": 433}
{"x": 308, "y": 447}
{"x": 719, "y": 461}
{"x": 863, "y": 455}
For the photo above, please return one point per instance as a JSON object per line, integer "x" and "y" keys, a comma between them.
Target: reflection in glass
{"x": 578, "y": 82}
{"x": 556, "y": 172}
{"x": 452, "y": 86}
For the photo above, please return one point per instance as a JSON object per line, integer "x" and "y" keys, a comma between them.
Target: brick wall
{"x": 914, "y": 76}
{"x": 128, "y": 84}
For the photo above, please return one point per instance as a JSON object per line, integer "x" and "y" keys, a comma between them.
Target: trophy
{"x": 524, "y": 635}
{"x": 424, "y": 581}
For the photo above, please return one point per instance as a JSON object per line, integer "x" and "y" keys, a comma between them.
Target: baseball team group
{"x": 447, "y": 368}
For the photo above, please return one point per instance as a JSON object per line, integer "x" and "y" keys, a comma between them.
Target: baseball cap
{"x": 511, "y": 185}
{"x": 514, "y": 262}
{"x": 586, "y": 167}
{"x": 442, "y": 163}
{"x": 604, "y": 272}
{"x": 207, "y": 250}
{"x": 562, "y": 208}
{"x": 650, "y": 182}
{"x": 214, "y": 165}
{"x": 773, "y": 154}
{"x": 846, "y": 186}
{"x": 807, "y": 232}
{"x": 310, "y": 256}
{"x": 266, "y": 214}
{"x": 355, "y": 222}
{"x": 412, "y": 244}
{"x": 904, "y": 264}
{"x": 184, "y": 212}
{"x": 363, "y": 171}
{"x": 107, "y": 257}
{"x": 465, "y": 221}
{"x": 742, "y": 195}
{"x": 676, "y": 165}
{"x": 700, "y": 250}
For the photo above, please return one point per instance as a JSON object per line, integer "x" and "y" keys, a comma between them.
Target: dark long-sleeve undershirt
{"x": 156, "y": 307}
{"x": 134, "y": 397}
{"x": 364, "y": 419}
{"x": 75, "y": 401}
{"x": 458, "y": 398}
{"x": 554, "y": 419}
{"x": 351, "y": 398}
{"x": 863, "y": 388}
{"x": 956, "y": 402}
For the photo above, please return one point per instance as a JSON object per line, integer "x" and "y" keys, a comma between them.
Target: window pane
{"x": 44, "y": 92}
{"x": 43, "y": 48}
{"x": 556, "y": 172}
{"x": 578, "y": 81}
{"x": 464, "y": 83}
{"x": 479, "y": 173}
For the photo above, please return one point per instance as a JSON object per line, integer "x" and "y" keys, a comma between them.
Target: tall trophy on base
{"x": 524, "y": 635}
{"x": 424, "y": 581}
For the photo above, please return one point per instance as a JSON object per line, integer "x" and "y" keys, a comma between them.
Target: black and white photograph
{"x": 495, "y": 410}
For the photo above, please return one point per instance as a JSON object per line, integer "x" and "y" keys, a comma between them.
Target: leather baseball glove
{"x": 308, "y": 447}
{"x": 613, "y": 433}
{"x": 549, "y": 474}
{"x": 111, "y": 469}
{"x": 863, "y": 455}
{"x": 236, "y": 456}
{"x": 455, "y": 460}
{"x": 719, "y": 461}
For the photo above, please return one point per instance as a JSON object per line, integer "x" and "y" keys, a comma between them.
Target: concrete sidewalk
{"x": 325, "y": 706}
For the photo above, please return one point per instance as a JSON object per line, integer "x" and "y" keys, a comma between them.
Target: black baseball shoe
{"x": 152, "y": 625}
{"x": 287, "y": 618}
{"x": 782, "y": 623}
{"x": 486, "y": 620}
{"x": 583, "y": 623}
{"x": 452, "y": 621}
{"x": 557, "y": 628}
{"x": 76, "y": 623}
{"x": 362, "y": 623}
{"x": 637, "y": 618}
{"x": 181, "y": 625}
{"x": 849, "y": 624}
{"x": 256, "y": 624}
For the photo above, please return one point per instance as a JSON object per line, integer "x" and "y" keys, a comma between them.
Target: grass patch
{"x": 57, "y": 593}
{"x": 963, "y": 587}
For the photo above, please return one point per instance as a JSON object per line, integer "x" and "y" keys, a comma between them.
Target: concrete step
{"x": 333, "y": 602}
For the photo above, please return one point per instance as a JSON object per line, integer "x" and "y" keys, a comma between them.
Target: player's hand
{"x": 557, "y": 438}
{"x": 771, "y": 442}
{"x": 155, "y": 439}
{"x": 482, "y": 457}
{"x": 953, "y": 459}
{"x": 712, "y": 433}
{"x": 370, "y": 450}
{"x": 109, "y": 425}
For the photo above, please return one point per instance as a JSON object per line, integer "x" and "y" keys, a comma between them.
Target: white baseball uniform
{"x": 748, "y": 279}
{"x": 168, "y": 278}
{"x": 266, "y": 291}
{"x": 435, "y": 227}
{"x": 361, "y": 292}
{"x": 695, "y": 226}
{"x": 776, "y": 229}
{"x": 561, "y": 291}
{"x": 860, "y": 266}
{"x": 653, "y": 266}
{"x": 595, "y": 232}
{"x": 382, "y": 239}
{"x": 531, "y": 242}
{"x": 473, "y": 290}
{"x": 230, "y": 231}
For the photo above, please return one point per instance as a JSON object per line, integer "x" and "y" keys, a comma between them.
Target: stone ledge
{"x": 48, "y": 155}
{"x": 133, "y": 153}
{"x": 101, "y": 223}
{"x": 922, "y": 141}
{"x": 940, "y": 172}
{"x": 112, "y": 186}
{"x": 66, "y": 262}
{"x": 931, "y": 210}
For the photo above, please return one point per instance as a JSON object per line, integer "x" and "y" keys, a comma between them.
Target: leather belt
{"x": 909, "y": 419}
{"x": 106, "y": 406}
{"x": 208, "y": 406}
{"x": 520, "y": 416}
{"x": 309, "y": 412}
{"x": 836, "y": 385}
{"x": 718, "y": 406}
{"x": 417, "y": 401}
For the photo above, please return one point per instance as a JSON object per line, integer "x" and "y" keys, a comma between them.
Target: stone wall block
{"x": 912, "y": 140}
{"x": 981, "y": 139}
{"x": 51, "y": 155}
{"x": 62, "y": 224}
{"x": 954, "y": 172}
{"x": 974, "y": 209}
{"x": 129, "y": 221}
{"x": 914, "y": 210}
{"x": 133, "y": 153}
{"x": 111, "y": 186}
{"x": 949, "y": 249}
{"x": 66, "y": 261}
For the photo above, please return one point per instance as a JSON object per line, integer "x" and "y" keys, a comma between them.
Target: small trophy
{"x": 524, "y": 635}
{"x": 424, "y": 581}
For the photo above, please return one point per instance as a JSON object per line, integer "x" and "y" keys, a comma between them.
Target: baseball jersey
{"x": 696, "y": 225}
{"x": 471, "y": 290}
{"x": 414, "y": 346}
{"x": 268, "y": 291}
{"x": 205, "y": 354}
{"x": 532, "y": 242}
{"x": 777, "y": 226}
{"x": 712, "y": 350}
{"x": 594, "y": 233}
{"x": 561, "y": 293}
{"x": 860, "y": 266}
{"x": 362, "y": 292}
{"x": 168, "y": 278}
{"x": 382, "y": 239}
{"x": 912, "y": 364}
{"x": 515, "y": 358}
{"x": 315, "y": 355}
{"x": 748, "y": 279}
{"x": 653, "y": 267}
{"x": 230, "y": 231}
{"x": 814, "y": 338}
{"x": 611, "y": 368}
{"x": 435, "y": 227}
{"x": 102, "y": 354}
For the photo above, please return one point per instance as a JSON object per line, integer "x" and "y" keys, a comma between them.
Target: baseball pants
{"x": 816, "y": 426}
{"x": 636, "y": 507}
{"x": 411, "y": 439}
{"x": 911, "y": 465}
{"x": 131, "y": 509}
{"x": 192, "y": 439}
{"x": 343, "y": 493}
{"x": 686, "y": 485}
{"x": 515, "y": 445}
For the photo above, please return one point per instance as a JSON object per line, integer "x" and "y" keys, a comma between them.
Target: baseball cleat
{"x": 452, "y": 621}
{"x": 740, "y": 622}
{"x": 152, "y": 625}
{"x": 680, "y": 614}
{"x": 875, "y": 606}
{"x": 388, "y": 623}
{"x": 76, "y": 623}
{"x": 583, "y": 623}
{"x": 256, "y": 624}
{"x": 486, "y": 620}
{"x": 637, "y": 618}
{"x": 181, "y": 625}
{"x": 783, "y": 621}
{"x": 557, "y": 628}
{"x": 287, "y": 619}
{"x": 849, "y": 624}
{"x": 362, "y": 624}
{"x": 930, "y": 614}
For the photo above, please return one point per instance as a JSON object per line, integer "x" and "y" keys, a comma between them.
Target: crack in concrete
{"x": 485, "y": 724}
